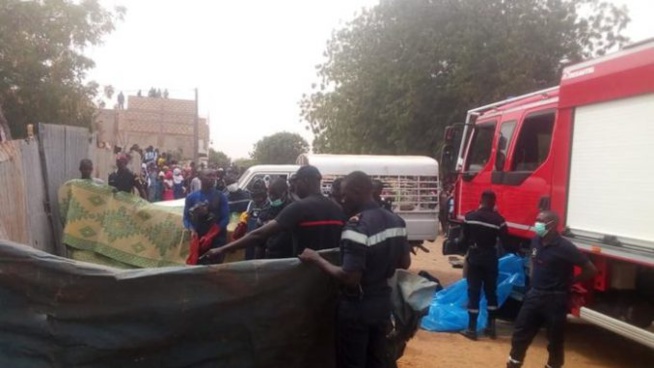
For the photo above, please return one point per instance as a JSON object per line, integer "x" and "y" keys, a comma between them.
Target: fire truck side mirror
{"x": 448, "y": 160}
{"x": 450, "y": 133}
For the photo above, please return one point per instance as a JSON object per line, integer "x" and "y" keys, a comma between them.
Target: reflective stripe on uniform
{"x": 485, "y": 224}
{"x": 321, "y": 223}
{"x": 373, "y": 239}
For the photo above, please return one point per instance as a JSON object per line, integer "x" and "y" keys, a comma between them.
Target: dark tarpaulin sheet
{"x": 57, "y": 312}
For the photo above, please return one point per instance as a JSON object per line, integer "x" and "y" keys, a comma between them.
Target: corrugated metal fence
{"x": 31, "y": 173}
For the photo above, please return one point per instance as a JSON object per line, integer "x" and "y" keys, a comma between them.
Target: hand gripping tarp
{"x": 448, "y": 310}
{"x": 58, "y": 312}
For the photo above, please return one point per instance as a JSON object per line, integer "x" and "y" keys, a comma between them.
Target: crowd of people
{"x": 157, "y": 176}
{"x": 287, "y": 219}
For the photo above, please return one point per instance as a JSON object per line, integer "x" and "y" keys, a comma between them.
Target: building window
{"x": 480, "y": 147}
{"x": 534, "y": 141}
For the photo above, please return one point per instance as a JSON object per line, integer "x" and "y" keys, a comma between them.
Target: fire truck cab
{"x": 582, "y": 149}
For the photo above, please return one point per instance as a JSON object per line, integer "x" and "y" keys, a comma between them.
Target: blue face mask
{"x": 276, "y": 203}
{"x": 540, "y": 228}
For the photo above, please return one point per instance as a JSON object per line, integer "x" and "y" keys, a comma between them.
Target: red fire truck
{"x": 584, "y": 150}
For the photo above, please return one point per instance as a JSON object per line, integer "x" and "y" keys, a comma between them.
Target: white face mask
{"x": 232, "y": 187}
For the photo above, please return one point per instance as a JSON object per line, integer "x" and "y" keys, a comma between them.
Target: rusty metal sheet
{"x": 13, "y": 196}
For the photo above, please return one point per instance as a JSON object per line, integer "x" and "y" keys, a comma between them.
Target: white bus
{"x": 410, "y": 182}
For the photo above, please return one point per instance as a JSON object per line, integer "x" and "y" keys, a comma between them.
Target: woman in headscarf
{"x": 178, "y": 183}
{"x": 168, "y": 184}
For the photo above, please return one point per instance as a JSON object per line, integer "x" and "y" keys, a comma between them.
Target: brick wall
{"x": 163, "y": 123}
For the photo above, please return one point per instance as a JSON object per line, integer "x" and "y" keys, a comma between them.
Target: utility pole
{"x": 196, "y": 131}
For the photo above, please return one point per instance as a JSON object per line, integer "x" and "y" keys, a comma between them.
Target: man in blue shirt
{"x": 206, "y": 214}
{"x": 553, "y": 259}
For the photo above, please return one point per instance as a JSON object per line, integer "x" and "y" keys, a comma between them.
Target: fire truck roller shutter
{"x": 610, "y": 188}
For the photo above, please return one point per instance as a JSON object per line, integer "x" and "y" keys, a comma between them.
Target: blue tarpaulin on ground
{"x": 448, "y": 310}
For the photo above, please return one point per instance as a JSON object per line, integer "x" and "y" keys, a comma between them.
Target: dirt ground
{"x": 586, "y": 345}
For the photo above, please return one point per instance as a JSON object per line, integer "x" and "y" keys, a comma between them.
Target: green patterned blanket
{"x": 118, "y": 229}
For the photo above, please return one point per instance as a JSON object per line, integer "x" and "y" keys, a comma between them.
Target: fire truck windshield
{"x": 479, "y": 149}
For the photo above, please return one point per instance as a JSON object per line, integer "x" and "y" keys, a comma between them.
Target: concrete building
{"x": 164, "y": 123}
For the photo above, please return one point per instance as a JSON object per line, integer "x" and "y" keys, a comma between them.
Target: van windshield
{"x": 243, "y": 178}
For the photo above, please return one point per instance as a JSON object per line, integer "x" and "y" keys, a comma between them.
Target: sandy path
{"x": 586, "y": 345}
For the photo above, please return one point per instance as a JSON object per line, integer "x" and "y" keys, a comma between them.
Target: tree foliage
{"x": 243, "y": 164}
{"x": 401, "y": 71}
{"x": 42, "y": 65}
{"x": 219, "y": 159}
{"x": 279, "y": 148}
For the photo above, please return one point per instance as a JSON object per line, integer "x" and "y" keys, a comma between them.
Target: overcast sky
{"x": 251, "y": 60}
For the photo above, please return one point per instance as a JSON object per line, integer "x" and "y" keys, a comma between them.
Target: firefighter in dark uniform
{"x": 373, "y": 245}
{"x": 481, "y": 229}
{"x": 552, "y": 275}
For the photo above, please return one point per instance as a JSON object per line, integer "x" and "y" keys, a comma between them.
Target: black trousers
{"x": 541, "y": 308}
{"x": 362, "y": 327}
{"x": 482, "y": 272}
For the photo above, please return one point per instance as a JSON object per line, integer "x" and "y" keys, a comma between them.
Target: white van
{"x": 410, "y": 182}
{"x": 267, "y": 173}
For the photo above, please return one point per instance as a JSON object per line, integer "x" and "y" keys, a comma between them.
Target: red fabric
{"x": 577, "y": 298}
{"x": 240, "y": 230}
{"x": 168, "y": 195}
{"x": 200, "y": 245}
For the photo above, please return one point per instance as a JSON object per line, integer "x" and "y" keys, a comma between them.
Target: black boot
{"x": 490, "y": 326}
{"x": 471, "y": 331}
{"x": 513, "y": 363}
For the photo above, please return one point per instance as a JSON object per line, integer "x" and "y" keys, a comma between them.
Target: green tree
{"x": 244, "y": 164}
{"x": 279, "y": 148}
{"x": 219, "y": 158}
{"x": 5, "y": 134}
{"x": 42, "y": 65}
{"x": 401, "y": 71}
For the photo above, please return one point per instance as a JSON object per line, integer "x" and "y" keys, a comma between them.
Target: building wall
{"x": 163, "y": 123}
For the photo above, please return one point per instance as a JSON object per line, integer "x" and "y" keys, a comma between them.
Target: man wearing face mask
{"x": 237, "y": 198}
{"x": 257, "y": 205}
{"x": 481, "y": 229}
{"x": 373, "y": 245}
{"x": 552, "y": 275}
{"x": 278, "y": 245}
{"x": 314, "y": 221}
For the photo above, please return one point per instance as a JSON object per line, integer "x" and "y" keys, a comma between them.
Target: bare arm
{"x": 588, "y": 271}
{"x": 253, "y": 238}
{"x": 405, "y": 260}
{"x": 350, "y": 279}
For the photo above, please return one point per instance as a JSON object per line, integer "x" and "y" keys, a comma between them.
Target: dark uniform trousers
{"x": 362, "y": 327}
{"x": 482, "y": 270}
{"x": 539, "y": 308}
